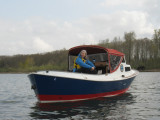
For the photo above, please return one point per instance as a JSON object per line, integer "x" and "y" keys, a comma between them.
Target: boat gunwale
{"x": 100, "y": 75}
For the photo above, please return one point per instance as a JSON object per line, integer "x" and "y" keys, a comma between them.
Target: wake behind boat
{"x": 114, "y": 77}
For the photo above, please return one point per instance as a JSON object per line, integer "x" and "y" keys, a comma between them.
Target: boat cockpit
{"x": 105, "y": 60}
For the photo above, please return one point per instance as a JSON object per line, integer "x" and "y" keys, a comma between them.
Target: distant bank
{"x": 153, "y": 70}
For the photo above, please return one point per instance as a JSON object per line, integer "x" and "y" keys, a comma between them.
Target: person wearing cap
{"x": 82, "y": 65}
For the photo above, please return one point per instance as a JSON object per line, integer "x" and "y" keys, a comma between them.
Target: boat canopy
{"x": 110, "y": 57}
{"x": 93, "y": 49}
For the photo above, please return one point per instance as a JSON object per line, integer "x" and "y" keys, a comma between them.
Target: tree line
{"x": 56, "y": 60}
{"x": 141, "y": 53}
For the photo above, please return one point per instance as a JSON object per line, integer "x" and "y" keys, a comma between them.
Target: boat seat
{"x": 102, "y": 66}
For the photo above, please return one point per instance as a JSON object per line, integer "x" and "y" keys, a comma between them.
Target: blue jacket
{"x": 88, "y": 64}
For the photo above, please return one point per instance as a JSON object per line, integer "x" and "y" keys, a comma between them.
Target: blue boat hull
{"x": 60, "y": 89}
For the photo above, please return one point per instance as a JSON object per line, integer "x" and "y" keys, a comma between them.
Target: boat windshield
{"x": 101, "y": 57}
{"x": 115, "y": 61}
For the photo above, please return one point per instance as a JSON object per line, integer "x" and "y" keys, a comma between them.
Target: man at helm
{"x": 82, "y": 65}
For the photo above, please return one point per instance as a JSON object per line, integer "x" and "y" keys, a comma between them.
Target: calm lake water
{"x": 140, "y": 102}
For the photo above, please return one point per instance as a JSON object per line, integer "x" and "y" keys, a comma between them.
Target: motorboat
{"x": 113, "y": 78}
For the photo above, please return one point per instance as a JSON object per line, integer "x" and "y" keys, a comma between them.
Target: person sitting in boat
{"x": 82, "y": 65}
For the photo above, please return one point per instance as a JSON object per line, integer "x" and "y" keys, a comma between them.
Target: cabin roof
{"x": 93, "y": 49}
{"x": 113, "y": 51}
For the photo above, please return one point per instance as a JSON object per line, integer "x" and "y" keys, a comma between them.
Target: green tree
{"x": 129, "y": 38}
{"x": 156, "y": 39}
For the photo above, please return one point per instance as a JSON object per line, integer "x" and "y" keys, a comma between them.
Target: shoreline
{"x": 13, "y": 72}
{"x": 152, "y": 70}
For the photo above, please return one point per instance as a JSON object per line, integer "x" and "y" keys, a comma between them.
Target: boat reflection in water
{"x": 100, "y": 108}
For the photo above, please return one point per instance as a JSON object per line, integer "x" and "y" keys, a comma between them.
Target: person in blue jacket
{"x": 82, "y": 65}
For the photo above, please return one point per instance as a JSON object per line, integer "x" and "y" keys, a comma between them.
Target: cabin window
{"x": 127, "y": 69}
{"x": 114, "y": 61}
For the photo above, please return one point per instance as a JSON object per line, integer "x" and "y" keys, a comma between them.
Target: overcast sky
{"x": 37, "y": 26}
